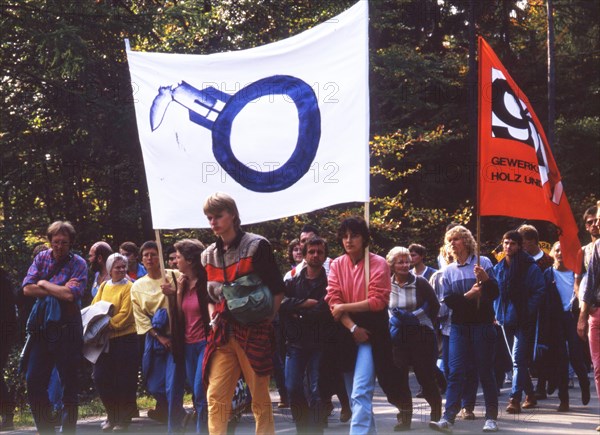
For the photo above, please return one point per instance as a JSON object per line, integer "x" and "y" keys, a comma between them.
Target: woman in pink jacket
{"x": 365, "y": 344}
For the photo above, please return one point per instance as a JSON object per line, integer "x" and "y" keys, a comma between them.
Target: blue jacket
{"x": 522, "y": 288}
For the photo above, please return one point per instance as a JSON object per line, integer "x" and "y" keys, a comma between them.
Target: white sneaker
{"x": 490, "y": 426}
{"x": 441, "y": 426}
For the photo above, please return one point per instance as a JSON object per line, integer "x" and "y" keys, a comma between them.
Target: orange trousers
{"x": 226, "y": 364}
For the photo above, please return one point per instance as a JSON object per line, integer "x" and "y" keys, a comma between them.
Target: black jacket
{"x": 305, "y": 327}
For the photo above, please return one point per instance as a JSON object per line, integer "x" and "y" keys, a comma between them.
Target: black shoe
{"x": 345, "y": 415}
{"x": 401, "y": 427}
{"x": 585, "y": 393}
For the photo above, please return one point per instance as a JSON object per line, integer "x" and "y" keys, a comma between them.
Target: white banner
{"x": 283, "y": 128}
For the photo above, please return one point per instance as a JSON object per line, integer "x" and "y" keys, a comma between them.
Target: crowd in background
{"x": 222, "y": 317}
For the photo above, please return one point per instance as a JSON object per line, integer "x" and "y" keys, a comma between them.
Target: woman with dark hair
{"x": 295, "y": 253}
{"x": 365, "y": 344}
{"x": 192, "y": 307}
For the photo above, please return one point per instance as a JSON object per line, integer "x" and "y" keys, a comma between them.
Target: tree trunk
{"x": 551, "y": 74}
{"x": 472, "y": 92}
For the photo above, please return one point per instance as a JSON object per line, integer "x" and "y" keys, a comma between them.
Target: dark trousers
{"x": 575, "y": 356}
{"x": 7, "y": 399}
{"x": 115, "y": 377}
{"x": 418, "y": 348}
{"x": 279, "y": 360}
{"x": 331, "y": 380}
{"x": 60, "y": 346}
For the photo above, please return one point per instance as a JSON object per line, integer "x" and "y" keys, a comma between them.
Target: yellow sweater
{"x": 147, "y": 297}
{"x": 122, "y": 322}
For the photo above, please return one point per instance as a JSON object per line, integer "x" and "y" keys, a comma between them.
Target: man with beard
{"x": 97, "y": 256}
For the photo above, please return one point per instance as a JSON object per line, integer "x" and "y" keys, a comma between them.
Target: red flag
{"x": 518, "y": 176}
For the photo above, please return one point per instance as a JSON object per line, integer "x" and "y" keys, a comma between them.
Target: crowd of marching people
{"x": 223, "y": 317}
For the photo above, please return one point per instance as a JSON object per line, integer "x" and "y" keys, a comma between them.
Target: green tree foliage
{"x": 69, "y": 146}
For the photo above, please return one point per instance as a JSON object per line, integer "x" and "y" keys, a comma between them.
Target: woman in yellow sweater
{"x": 115, "y": 372}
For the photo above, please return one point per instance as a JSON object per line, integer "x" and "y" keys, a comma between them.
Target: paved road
{"x": 542, "y": 420}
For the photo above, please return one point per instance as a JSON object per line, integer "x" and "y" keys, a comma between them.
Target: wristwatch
{"x": 353, "y": 328}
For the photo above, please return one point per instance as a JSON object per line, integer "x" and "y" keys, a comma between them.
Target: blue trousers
{"x": 194, "y": 354}
{"x": 469, "y": 396}
{"x": 166, "y": 381}
{"x": 361, "y": 386}
{"x": 521, "y": 342}
{"x": 471, "y": 344}
{"x": 55, "y": 391}
{"x": 306, "y": 413}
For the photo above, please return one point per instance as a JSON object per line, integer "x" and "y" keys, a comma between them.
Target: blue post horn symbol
{"x": 216, "y": 110}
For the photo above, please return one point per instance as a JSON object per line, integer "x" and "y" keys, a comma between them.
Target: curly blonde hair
{"x": 464, "y": 234}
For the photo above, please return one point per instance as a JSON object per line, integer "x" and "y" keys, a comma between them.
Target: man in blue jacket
{"x": 521, "y": 284}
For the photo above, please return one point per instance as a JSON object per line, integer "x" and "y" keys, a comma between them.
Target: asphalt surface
{"x": 544, "y": 419}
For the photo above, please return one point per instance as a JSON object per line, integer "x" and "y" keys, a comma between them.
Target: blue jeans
{"x": 175, "y": 383}
{"x": 361, "y": 386}
{"x": 469, "y": 396}
{"x": 194, "y": 354}
{"x": 299, "y": 361}
{"x": 58, "y": 346}
{"x": 520, "y": 341}
{"x": 471, "y": 344}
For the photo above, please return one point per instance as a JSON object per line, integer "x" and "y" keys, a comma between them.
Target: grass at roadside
{"x": 91, "y": 408}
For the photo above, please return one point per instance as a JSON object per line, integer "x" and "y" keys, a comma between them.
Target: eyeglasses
{"x": 59, "y": 244}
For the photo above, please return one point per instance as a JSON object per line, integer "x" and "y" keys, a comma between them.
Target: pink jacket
{"x": 347, "y": 282}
